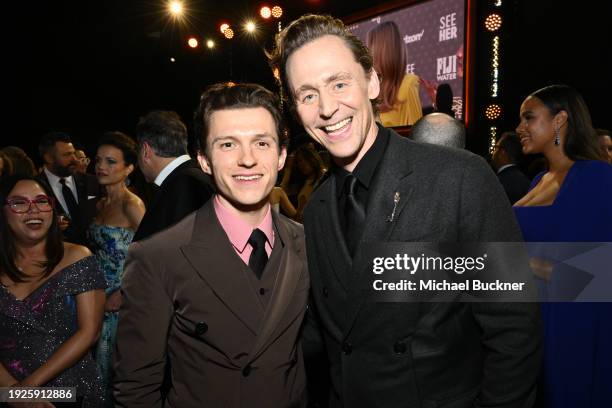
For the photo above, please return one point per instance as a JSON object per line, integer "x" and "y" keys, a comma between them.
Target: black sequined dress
{"x": 32, "y": 329}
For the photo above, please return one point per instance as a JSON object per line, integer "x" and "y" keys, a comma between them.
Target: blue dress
{"x": 33, "y": 328}
{"x": 577, "y": 366}
{"x": 110, "y": 246}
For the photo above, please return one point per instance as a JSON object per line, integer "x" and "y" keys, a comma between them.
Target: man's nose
{"x": 328, "y": 105}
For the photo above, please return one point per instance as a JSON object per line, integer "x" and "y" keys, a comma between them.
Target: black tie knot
{"x": 70, "y": 200}
{"x": 259, "y": 256}
{"x": 354, "y": 212}
{"x": 350, "y": 185}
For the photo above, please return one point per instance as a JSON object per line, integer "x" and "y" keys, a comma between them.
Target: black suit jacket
{"x": 515, "y": 182}
{"x": 185, "y": 190}
{"x": 89, "y": 192}
{"x": 419, "y": 354}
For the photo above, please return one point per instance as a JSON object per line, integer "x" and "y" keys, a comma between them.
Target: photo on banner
{"x": 428, "y": 37}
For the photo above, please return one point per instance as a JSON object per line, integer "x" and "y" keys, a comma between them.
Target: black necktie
{"x": 259, "y": 256}
{"x": 73, "y": 207}
{"x": 354, "y": 212}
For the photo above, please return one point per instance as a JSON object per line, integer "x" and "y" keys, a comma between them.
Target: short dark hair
{"x": 236, "y": 96}
{"x": 603, "y": 132}
{"x": 511, "y": 143}
{"x": 22, "y": 164}
{"x": 122, "y": 142}
{"x": 47, "y": 142}
{"x": 164, "y": 131}
{"x": 309, "y": 28}
{"x": 581, "y": 138}
{"x": 54, "y": 247}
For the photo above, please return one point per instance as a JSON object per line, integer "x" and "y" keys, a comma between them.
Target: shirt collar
{"x": 237, "y": 230}
{"x": 366, "y": 168}
{"x": 170, "y": 168}
{"x": 504, "y": 167}
{"x": 55, "y": 180}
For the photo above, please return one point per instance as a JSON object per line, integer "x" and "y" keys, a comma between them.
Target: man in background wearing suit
{"x": 384, "y": 189}
{"x": 507, "y": 155}
{"x": 181, "y": 185}
{"x": 76, "y": 193}
{"x": 224, "y": 291}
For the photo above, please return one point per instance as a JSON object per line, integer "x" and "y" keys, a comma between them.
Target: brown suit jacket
{"x": 187, "y": 296}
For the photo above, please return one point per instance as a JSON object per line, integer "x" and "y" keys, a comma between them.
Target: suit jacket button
{"x": 325, "y": 292}
{"x": 201, "y": 328}
{"x": 246, "y": 370}
{"x": 400, "y": 347}
{"x": 347, "y": 348}
{"x": 262, "y": 291}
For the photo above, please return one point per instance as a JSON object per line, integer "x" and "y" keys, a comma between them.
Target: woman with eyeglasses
{"x": 51, "y": 297}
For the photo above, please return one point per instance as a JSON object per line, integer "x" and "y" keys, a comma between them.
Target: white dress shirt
{"x": 170, "y": 168}
{"x": 57, "y": 188}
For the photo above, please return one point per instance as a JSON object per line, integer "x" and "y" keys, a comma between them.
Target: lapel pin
{"x": 396, "y": 199}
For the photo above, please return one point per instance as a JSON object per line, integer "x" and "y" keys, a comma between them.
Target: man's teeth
{"x": 339, "y": 125}
{"x": 28, "y": 222}
{"x": 247, "y": 178}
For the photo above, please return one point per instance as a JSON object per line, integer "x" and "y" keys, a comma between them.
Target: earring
{"x": 557, "y": 138}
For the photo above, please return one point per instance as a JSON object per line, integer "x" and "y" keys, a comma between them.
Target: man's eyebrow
{"x": 326, "y": 81}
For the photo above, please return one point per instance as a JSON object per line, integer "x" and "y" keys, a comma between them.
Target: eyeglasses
{"x": 22, "y": 205}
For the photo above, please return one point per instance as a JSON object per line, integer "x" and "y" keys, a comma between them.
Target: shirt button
{"x": 400, "y": 347}
{"x": 246, "y": 371}
{"x": 347, "y": 348}
{"x": 201, "y": 328}
{"x": 325, "y": 292}
{"x": 262, "y": 291}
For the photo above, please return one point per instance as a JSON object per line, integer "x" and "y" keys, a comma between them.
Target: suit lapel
{"x": 289, "y": 273}
{"x": 209, "y": 252}
{"x": 391, "y": 189}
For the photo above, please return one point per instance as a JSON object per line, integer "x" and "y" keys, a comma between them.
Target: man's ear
{"x": 48, "y": 157}
{"x": 203, "y": 160}
{"x": 282, "y": 157}
{"x": 373, "y": 85}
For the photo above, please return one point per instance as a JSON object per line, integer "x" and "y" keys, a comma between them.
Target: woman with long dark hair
{"x": 400, "y": 103}
{"x": 118, "y": 217}
{"x": 569, "y": 203}
{"x": 51, "y": 296}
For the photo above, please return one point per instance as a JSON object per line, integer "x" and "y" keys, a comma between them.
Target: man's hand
{"x": 113, "y": 302}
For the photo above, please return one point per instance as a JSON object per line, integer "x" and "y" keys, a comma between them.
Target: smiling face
{"x": 110, "y": 165}
{"x": 33, "y": 225}
{"x": 243, "y": 156}
{"x": 537, "y": 127}
{"x": 332, "y": 94}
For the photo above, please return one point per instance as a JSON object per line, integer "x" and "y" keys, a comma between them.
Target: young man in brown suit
{"x": 223, "y": 292}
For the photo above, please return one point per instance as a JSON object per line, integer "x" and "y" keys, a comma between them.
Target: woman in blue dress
{"x": 110, "y": 234}
{"x": 570, "y": 203}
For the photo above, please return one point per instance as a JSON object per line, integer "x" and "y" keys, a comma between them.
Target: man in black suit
{"x": 507, "y": 155}
{"x": 75, "y": 194}
{"x": 182, "y": 186}
{"x": 385, "y": 188}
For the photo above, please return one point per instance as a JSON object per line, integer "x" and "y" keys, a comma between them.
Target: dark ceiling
{"x": 88, "y": 66}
